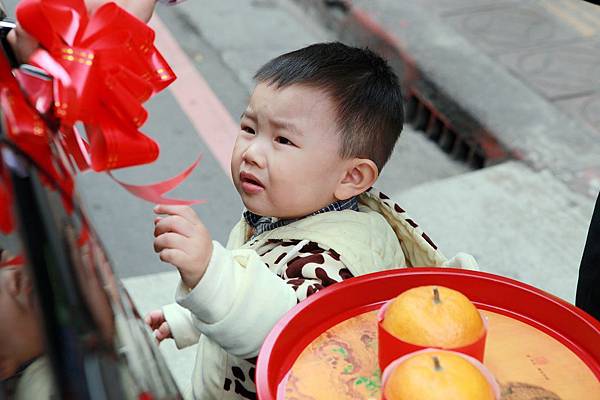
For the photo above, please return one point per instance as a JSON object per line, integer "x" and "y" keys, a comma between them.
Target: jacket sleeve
{"x": 462, "y": 260}
{"x": 240, "y": 298}
{"x": 181, "y": 324}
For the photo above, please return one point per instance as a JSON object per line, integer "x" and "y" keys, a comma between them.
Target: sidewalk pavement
{"x": 517, "y": 222}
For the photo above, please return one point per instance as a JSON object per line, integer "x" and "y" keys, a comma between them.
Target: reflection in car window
{"x": 24, "y": 369}
{"x": 82, "y": 329}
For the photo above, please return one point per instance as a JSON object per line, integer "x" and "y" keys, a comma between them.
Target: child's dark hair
{"x": 362, "y": 84}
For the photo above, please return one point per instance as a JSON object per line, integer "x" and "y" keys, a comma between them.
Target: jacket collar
{"x": 261, "y": 224}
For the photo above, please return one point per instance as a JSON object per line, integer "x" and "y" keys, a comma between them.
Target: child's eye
{"x": 283, "y": 140}
{"x": 248, "y": 130}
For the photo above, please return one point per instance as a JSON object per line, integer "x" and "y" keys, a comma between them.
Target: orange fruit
{"x": 433, "y": 316}
{"x": 437, "y": 375}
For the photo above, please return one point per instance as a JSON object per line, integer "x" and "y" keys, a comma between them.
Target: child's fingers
{"x": 170, "y": 240}
{"x": 175, "y": 257}
{"x": 151, "y": 322}
{"x": 183, "y": 211}
{"x": 154, "y": 318}
{"x": 174, "y": 223}
{"x": 163, "y": 332}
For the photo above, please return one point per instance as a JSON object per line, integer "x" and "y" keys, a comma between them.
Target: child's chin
{"x": 256, "y": 210}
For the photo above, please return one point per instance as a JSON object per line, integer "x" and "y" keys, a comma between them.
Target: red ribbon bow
{"x": 104, "y": 67}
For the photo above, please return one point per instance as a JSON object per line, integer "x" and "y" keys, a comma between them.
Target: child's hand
{"x": 24, "y": 45}
{"x": 156, "y": 321}
{"x": 183, "y": 241}
{"x": 140, "y": 8}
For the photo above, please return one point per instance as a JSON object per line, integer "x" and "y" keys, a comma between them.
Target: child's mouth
{"x": 250, "y": 184}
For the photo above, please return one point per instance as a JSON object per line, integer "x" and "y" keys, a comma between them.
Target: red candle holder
{"x": 476, "y": 363}
{"x": 390, "y": 347}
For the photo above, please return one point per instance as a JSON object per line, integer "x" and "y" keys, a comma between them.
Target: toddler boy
{"x": 320, "y": 125}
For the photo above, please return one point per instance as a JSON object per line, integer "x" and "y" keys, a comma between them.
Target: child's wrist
{"x": 189, "y": 282}
{"x": 191, "y": 279}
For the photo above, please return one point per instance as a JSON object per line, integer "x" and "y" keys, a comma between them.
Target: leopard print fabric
{"x": 304, "y": 265}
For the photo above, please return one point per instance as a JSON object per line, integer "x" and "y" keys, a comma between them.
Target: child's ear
{"x": 360, "y": 175}
{"x": 12, "y": 282}
{"x": 17, "y": 284}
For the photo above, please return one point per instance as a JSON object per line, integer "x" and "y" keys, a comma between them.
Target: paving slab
{"x": 517, "y": 222}
{"x": 509, "y": 26}
{"x": 557, "y": 72}
{"x": 150, "y": 292}
{"x": 585, "y": 109}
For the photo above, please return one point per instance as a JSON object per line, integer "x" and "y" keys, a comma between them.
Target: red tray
{"x": 570, "y": 326}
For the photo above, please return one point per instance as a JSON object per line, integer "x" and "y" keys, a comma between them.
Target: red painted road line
{"x": 207, "y": 114}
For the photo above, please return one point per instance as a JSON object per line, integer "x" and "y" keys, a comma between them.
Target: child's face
{"x": 285, "y": 162}
{"x": 19, "y": 322}
{"x": 8, "y": 363}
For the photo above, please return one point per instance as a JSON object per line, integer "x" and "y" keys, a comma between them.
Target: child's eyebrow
{"x": 286, "y": 125}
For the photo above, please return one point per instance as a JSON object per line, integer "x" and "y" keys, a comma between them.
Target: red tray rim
{"x": 279, "y": 348}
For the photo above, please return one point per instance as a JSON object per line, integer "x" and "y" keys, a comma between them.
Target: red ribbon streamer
{"x": 16, "y": 261}
{"x": 154, "y": 192}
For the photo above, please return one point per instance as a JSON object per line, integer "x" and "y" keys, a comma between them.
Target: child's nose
{"x": 254, "y": 154}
